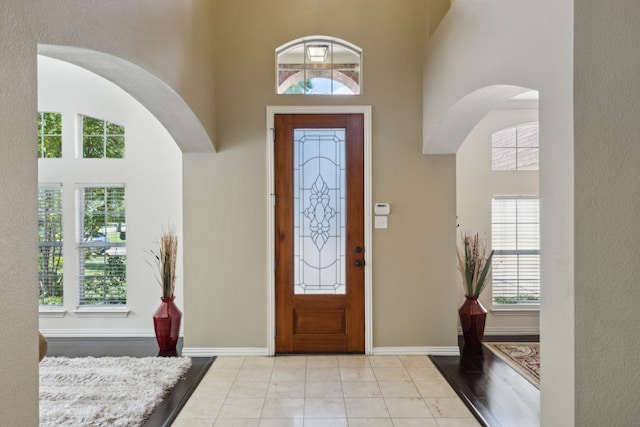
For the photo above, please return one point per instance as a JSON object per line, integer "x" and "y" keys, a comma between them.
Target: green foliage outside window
{"x": 102, "y": 247}
{"x": 101, "y": 139}
{"x": 50, "y": 260}
{"x": 49, "y": 135}
{"x": 301, "y": 87}
{"x": 105, "y": 281}
{"x": 520, "y": 299}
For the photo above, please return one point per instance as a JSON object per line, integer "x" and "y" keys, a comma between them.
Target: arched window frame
{"x": 291, "y": 73}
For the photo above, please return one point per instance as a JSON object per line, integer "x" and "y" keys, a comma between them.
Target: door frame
{"x": 365, "y": 110}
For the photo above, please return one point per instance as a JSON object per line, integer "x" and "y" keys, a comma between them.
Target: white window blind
{"x": 50, "y": 259}
{"x": 102, "y": 252}
{"x": 515, "y": 235}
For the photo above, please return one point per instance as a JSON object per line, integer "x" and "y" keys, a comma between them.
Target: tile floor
{"x": 324, "y": 391}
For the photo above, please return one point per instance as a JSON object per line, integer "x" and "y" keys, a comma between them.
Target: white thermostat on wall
{"x": 382, "y": 209}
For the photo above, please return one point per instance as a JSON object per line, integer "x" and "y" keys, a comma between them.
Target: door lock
{"x": 359, "y": 263}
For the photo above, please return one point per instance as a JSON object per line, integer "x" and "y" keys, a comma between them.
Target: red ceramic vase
{"x": 472, "y": 319}
{"x": 166, "y": 322}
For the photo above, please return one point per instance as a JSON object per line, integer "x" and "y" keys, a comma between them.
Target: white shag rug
{"x": 105, "y": 391}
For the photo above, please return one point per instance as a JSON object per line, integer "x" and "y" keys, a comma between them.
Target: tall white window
{"x": 50, "y": 259}
{"x": 102, "y": 252}
{"x": 515, "y": 235}
{"x": 515, "y": 148}
{"x": 318, "y": 66}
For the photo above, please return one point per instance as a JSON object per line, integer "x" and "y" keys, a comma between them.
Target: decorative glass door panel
{"x": 319, "y": 211}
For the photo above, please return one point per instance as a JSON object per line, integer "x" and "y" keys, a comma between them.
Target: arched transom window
{"x": 318, "y": 65}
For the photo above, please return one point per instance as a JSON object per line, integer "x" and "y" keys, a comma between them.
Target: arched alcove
{"x": 148, "y": 179}
{"x": 458, "y": 121}
{"x": 158, "y": 97}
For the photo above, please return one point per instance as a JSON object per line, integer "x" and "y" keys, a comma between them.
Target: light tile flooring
{"x": 324, "y": 391}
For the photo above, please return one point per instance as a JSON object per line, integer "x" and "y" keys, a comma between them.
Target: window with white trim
{"x": 101, "y": 139}
{"x": 515, "y": 236}
{"x": 50, "y": 259}
{"x": 516, "y": 148}
{"x": 49, "y": 135}
{"x": 102, "y": 252}
{"x": 318, "y": 65}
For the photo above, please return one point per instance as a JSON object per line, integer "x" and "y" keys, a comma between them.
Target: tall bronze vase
{"x": 166, "y": 322}
{"x": 472, "y": 319}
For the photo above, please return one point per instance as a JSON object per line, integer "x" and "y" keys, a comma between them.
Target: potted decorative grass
{"x": 167, "y": 319}
{"x": 474, "y": 263}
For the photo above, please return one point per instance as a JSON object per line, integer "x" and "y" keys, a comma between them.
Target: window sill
{"x": 101, "y": 312}
{"x": 49, "y": 311}
{"x": 516, "y": 310}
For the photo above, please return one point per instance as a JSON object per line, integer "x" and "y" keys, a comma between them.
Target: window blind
{"x": 515, "y": 235}
{"x": 50, "y": 259}
{"x": 101, "y": 245}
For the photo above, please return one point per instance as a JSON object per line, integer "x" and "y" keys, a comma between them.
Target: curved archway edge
{"x": 158, "y": 97}
{"x": 461, "y": 118}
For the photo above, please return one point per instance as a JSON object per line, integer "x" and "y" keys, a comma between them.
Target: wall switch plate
{"x": 380, "y": 221}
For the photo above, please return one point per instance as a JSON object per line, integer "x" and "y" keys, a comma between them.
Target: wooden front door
{"x": 319, "y": 233}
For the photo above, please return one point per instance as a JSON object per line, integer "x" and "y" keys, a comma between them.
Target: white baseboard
{"x": 226, "y": 351}
{"x": 100, "y": 333}
{"x": 377, "y": 351}
{"x": 509, "y": 331}
{"x": 409, "y": 351}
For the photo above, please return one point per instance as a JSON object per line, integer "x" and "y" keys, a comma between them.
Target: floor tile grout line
{"x": 305, "y": 392}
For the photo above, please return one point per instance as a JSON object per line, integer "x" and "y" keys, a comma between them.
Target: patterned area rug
{"x": 105, "y": 391}
{"x": 524, "y": 357}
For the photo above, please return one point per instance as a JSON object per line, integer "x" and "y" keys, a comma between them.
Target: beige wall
{"x": 170, "y": 39}
{"x": 225, "y": 227}
{"x": 18, "y": 210}
{"x": 607, "y": 152}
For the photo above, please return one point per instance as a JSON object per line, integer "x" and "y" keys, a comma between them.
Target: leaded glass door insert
{"x": 319, "y": 206}
{"x": 319, "y": 233}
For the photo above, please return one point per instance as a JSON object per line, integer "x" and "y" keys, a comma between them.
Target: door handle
{"x": 359, "y": 263}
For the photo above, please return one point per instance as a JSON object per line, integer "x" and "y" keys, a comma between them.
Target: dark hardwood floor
{"x": 166, "y": 412}
{"x": 496, "y": 394}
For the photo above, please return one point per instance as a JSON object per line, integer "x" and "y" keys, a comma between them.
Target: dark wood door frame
{"x": 366, "y": 112}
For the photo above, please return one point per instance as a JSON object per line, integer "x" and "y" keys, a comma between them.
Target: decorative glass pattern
{"x": 319, "y": 211}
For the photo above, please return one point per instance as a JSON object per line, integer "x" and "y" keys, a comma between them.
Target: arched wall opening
{"x": 477, "y": 184}
{"x": 463, "y": 116}
{"x": 153, "y": 93}
{"x": 151, "y": 172}
{"x": 481, "y": 44}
